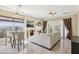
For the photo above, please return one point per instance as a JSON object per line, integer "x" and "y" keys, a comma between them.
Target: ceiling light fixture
{"x": 15, "y": 16}
{"x": 51, "y": 12}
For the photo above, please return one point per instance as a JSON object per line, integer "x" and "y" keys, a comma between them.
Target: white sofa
{"x": 46, "y": 40}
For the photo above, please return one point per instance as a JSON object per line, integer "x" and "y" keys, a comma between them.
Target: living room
{"x": 45, "y": 28}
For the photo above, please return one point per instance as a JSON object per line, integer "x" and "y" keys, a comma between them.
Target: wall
{"x": 74, "y": 23}
{"x": 25, "y": 17}
{"x": 10, "y": 14}
{"x": 76, "y": 29}
{"x": 36, "y": 20}
{"x": 74, "y": 19}
{"x": 54, "y": 26}
{"x": 78, "y": 24}
{"x": 75, "y": 26}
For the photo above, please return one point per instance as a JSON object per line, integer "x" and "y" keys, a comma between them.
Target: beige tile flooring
{"x": 63, "y": 47}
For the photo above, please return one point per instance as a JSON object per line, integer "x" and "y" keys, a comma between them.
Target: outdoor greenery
{"x": 2, "y": 32}
{"x": 5, "y": 28}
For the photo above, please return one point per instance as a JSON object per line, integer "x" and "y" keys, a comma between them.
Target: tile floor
{"x": 63, "y": 47}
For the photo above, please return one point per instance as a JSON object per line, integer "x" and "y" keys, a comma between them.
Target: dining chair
{"x": 20, "y": 40}
{"x": 8, "y": 37}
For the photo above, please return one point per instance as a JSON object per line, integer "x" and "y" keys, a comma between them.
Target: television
{"x": 30, "y": 23}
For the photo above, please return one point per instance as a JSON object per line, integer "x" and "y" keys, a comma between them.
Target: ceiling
{"x": 41, "y": 11}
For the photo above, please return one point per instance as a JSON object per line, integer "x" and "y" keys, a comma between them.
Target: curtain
{"x": 67, "y": 23}
{"x": 44, "y": 26}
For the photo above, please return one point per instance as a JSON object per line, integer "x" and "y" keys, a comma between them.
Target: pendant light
{"x": 16, "y": 14}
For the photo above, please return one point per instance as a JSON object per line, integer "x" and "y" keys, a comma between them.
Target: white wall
{"x": 74, "y": 23}
{"x": 78, "y": 27}
{"x": 36, "y": 20}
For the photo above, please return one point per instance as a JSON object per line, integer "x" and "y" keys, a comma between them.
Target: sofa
{"x": 46, "y": 40}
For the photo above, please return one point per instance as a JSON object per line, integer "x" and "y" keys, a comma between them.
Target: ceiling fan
{"x": 51, "y": 12}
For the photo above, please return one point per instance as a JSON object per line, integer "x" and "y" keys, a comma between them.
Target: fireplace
{"x": 31, "y": 32}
